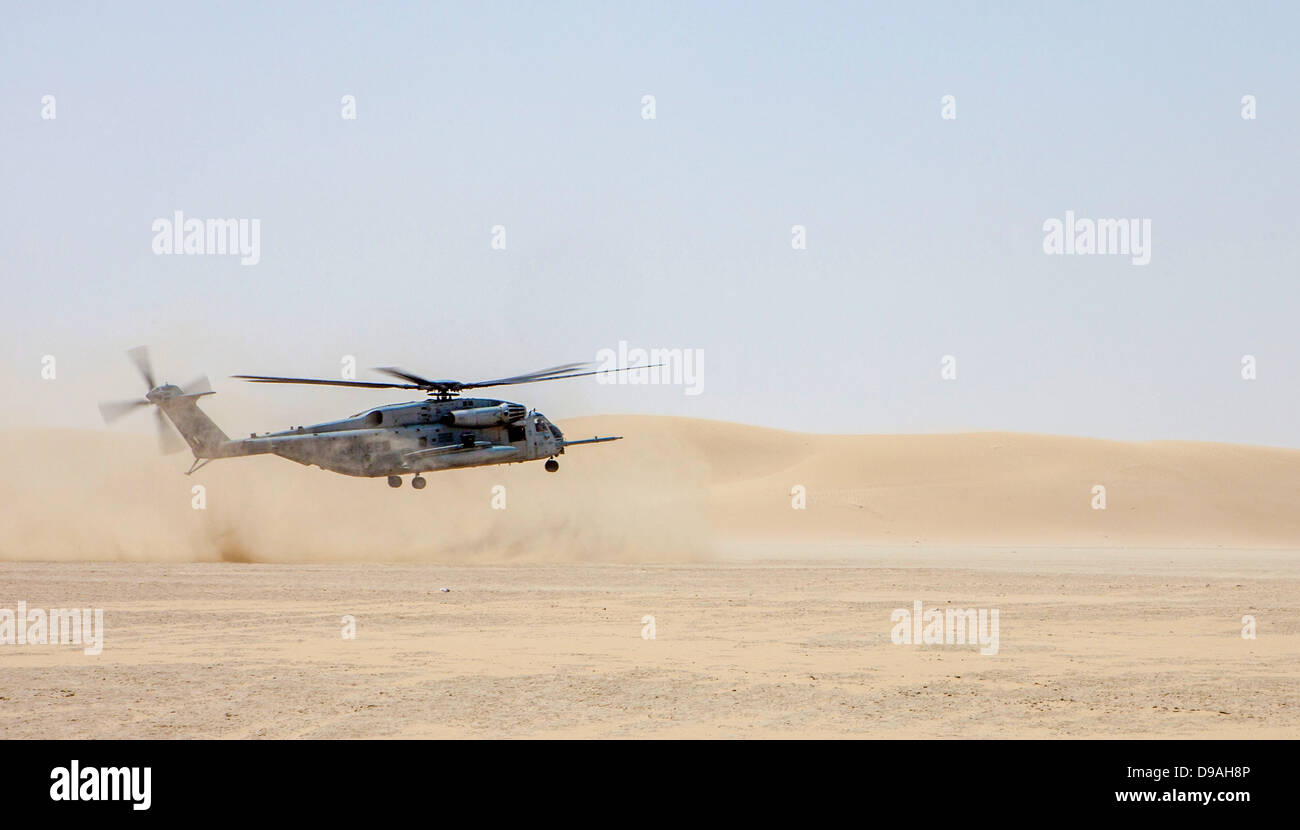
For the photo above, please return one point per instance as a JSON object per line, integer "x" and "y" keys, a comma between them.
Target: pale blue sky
{"x": 924, "y": 235}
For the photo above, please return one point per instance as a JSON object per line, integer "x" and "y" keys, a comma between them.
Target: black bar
{"x": 969, "y": 780}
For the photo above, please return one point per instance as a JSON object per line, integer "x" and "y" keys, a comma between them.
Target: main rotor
{"x": 445, "y": 390}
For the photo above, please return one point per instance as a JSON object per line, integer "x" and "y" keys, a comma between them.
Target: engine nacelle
{"x": 484, "y": 416}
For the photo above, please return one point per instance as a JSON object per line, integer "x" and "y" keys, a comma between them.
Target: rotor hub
{"x": 163, "y": 393}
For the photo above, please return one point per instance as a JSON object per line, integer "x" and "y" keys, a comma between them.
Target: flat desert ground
{"x": 768, "y": 621}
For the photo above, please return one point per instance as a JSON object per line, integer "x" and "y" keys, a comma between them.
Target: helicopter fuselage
{"x": 420, "y": 436}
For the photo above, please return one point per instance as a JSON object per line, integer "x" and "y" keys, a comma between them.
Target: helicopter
{"x": 443, "y": 432}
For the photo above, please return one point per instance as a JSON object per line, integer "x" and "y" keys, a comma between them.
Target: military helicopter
{"x": 444, "y": 432}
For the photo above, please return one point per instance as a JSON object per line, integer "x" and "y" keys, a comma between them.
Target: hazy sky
{"x": 924, "y": 234}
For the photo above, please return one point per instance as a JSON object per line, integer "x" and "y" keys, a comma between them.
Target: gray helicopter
{"x": 444, "y": 432}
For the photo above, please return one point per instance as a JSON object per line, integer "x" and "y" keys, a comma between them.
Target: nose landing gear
{"x": 552, "y": 465}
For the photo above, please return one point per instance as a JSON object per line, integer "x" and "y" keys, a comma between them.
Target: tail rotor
{"x": 169, "y": 440}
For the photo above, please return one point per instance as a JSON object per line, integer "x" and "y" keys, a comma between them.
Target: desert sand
{"x": 768, "y": 621}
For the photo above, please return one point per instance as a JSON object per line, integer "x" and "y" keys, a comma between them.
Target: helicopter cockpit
{"x": 542, "y": 426}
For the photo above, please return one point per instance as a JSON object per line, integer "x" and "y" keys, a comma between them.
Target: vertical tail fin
{"x": 199, "y": 431}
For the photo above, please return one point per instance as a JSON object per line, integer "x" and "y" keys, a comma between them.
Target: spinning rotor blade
{"x": 318, "y": 382}
{"x": 168, "y": 440}
{"x": 113, "y": 410}
{"x": 140, "y": 357}
{"x": 528, "y": 377}
{"x": 537, "y": 377}
{"x": 446, "y": 386}
{"x": 457, "y": 385}
{"x": 423, "y": 383}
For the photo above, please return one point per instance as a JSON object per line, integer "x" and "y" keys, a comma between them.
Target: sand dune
{"x": 671, "y": 491}
{"x": 986, "y": 488}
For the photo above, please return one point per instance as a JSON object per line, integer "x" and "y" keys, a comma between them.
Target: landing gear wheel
{"x": 418, "y": 482}
{"x": 394, "y": 481}
{"x": 552, "y": 465}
